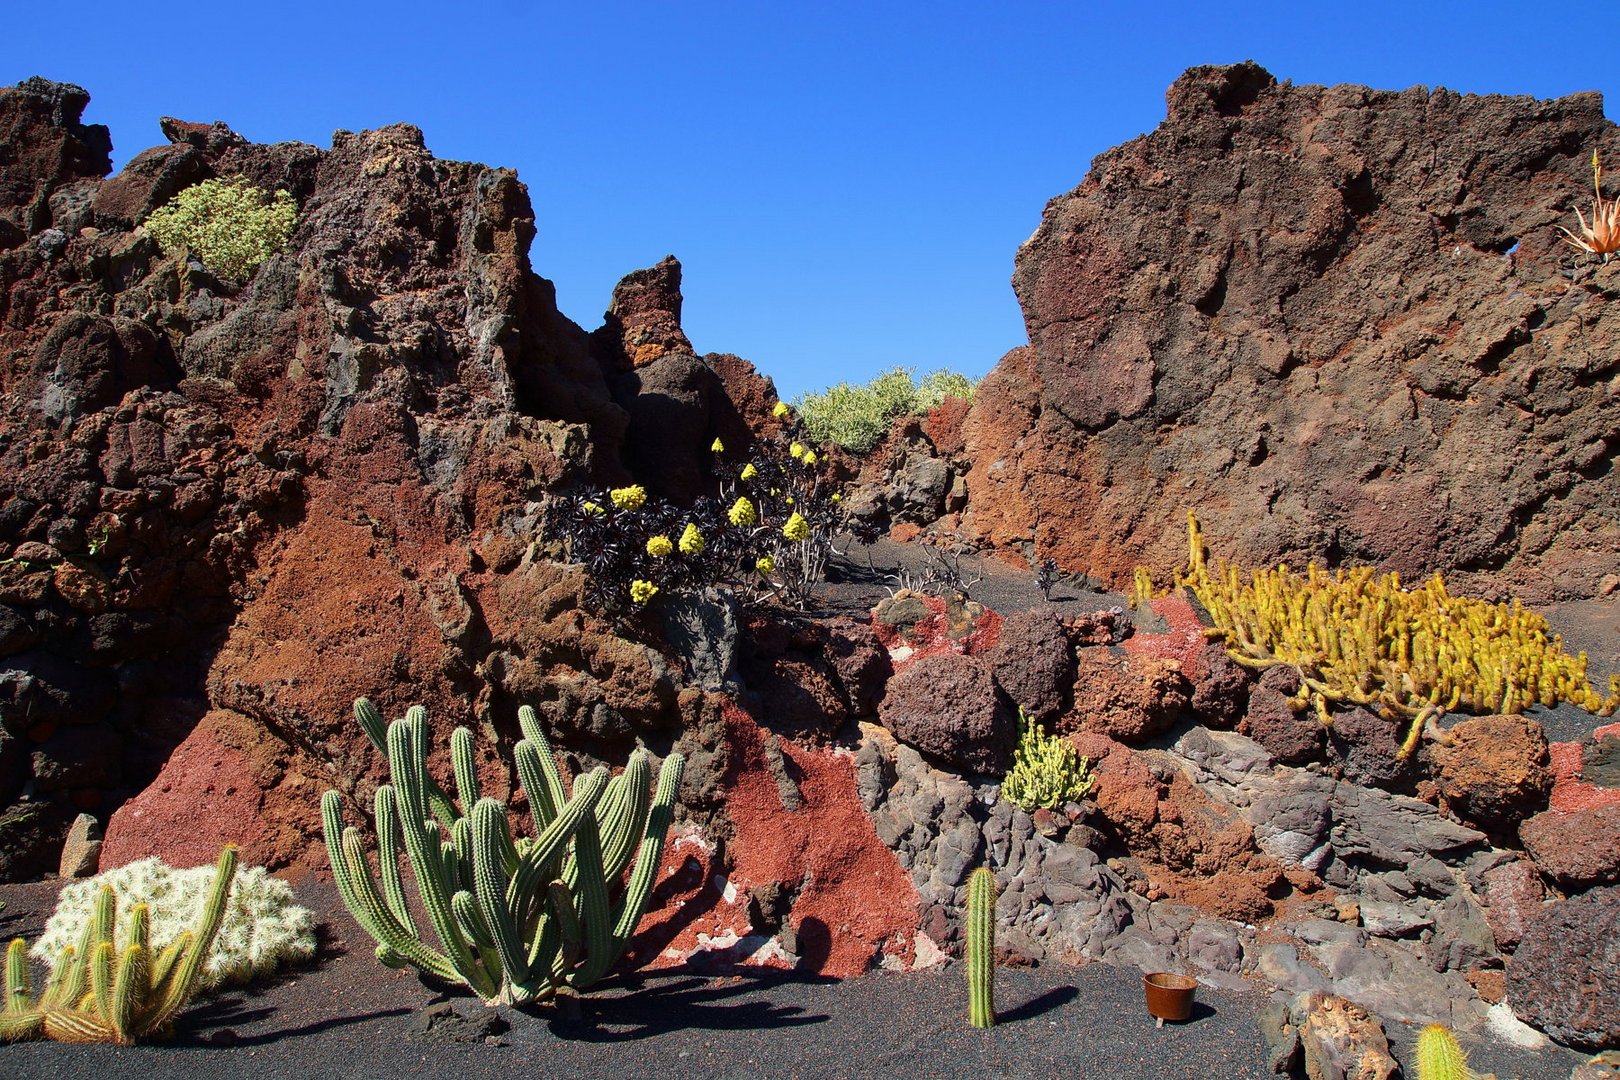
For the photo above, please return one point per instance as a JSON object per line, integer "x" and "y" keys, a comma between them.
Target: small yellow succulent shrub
{"x": 1047, "y": 771}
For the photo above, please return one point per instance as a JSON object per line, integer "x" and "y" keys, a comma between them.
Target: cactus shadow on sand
{"x": 653, "y": 1005}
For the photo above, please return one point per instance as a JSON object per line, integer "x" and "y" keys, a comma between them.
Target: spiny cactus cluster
{"x": 981, "y": 948}
{"x": 1047, "y": 771}
{"x": 515, "y": 919}
{"x": 101, "y": 992}
{"x": 1359, "y": 638}
{"x": 261, "y": 931}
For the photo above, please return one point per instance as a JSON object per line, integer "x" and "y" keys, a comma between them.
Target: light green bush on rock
{"x": 230, "y": 225}
{"x": 856, "y": 417}
{"x": 263, "y": 929}
{"x": 1047, "y": 771}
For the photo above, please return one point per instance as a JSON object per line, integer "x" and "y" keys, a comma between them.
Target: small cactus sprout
{"x": 981, "y": 948}
{"x": 1439, "y": 1057}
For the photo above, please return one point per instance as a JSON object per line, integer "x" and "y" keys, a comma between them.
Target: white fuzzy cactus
{"x": 263, "y": 928}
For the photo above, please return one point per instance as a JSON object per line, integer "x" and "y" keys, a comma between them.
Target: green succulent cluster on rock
{"x": 1047, "y": 771}
{"x": 515, "y": 919}
{"x": 230, "y": 225}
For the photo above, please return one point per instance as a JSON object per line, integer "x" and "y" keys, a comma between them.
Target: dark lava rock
{"x": 1565, "y": 976}
{"x": 1293, "y": 738}
{"x": 947, "y": 706}
{"x": 1032, "y": 663}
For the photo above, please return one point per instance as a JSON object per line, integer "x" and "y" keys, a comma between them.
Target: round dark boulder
{"x": 1032, "y": 663}
{"x": 947, "y": 707}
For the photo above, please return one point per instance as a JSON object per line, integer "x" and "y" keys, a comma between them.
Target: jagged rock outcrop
{"x": 227, "y": 510}
{"x": 1337, "y": 322}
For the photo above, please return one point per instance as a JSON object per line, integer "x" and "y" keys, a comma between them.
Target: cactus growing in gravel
{"x": 515, "y": 919}
{"x": 101, "y": 993}
{"x": 1439, "y": 1057}
{"x": 981, "y": 948}
{"x": 262, "y": 928}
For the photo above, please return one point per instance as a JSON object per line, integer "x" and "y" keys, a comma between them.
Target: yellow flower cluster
{"x": 796, "y": 451}
{"x": 765, "y": 564}
{"x": 691, "y": 541}
{"x": 642, "y": 591}
{"x": 781, "y": 410}
{"x": 742, "y": 513}
{"x": 749, "y": 472}
{"x": 659, "y": 546}
{"x": 633, "y": 497}
{"x": 717, "y": 446}
{"x": 796, "y": 529}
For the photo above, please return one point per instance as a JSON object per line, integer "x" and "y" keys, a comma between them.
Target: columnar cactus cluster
{"x": 1359, "y": 638}
{"x": 102, "y": 992}
{"x": 981, "y": 948}
{"x": 1047, "y": 771}
{"x": 515, "y": 919}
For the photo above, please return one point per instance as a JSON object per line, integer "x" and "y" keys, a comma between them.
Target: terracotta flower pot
{"x": 1169, "y": 997}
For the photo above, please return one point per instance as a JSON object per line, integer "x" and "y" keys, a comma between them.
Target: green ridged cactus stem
{"x": 981, "y": 948}
{"x": 1439, "y": 1057}
{"x": 103, "y": 993}
{"x": 514, "y": 918}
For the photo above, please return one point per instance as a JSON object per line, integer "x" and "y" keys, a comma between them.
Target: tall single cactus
{"x": 1439, "y": 1057}
{"x": 100, "y": 993}
{"x": 981, "y": 948}
{"x": 514, "y": 918}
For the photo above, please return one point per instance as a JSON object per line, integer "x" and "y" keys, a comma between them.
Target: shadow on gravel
{"x": 661, "y": 1004}
{"x": 1035, "y": 1006}
{"x": 216, "y": 1024}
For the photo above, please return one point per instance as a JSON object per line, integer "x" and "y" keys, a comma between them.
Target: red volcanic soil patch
{"x": 1182, "y": 642}
{"x": 854, "y": 904}
{"x": 1570, "y": 791}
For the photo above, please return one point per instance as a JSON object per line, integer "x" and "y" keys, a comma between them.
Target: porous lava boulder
{"x": 1304, "y": 365}
{"x": 1032, "y": 663}
{"x": 1125, "y": 697}
{"x": 1220, "y": 687}
{"x": 1290, "y": 735}
{"x": 1492, "y": 770}
{"x": 1565, "y": 976}
{"x": 806, "y": 676}
{"x": 1578, "y": 848}
{"x": 1366, "y": 746}
{"x": 946, "y": 705}
{"x": 1512, "y": 895}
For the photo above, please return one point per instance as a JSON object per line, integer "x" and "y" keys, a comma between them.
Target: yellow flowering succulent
{"x": 642, "y": 591}
{"x": 593, "y": 509}
{"x": 749, "y": 472}
{"x": 717, "y": 446}
{"x": 659, "y": 546}
{"x": 691, "y": 540}
{"x": 629, "y": 498}
{"x": 742, "y": 513}
{"x": 797, "y": 528}
{"x": 796, "y": 451}
{"x": 809, "y": 457}
{"x": 781, "y": 410}
{"x": 765, "y": 564}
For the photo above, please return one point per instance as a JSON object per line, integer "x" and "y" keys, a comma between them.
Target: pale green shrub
{"x": 1047, "y": 771}
{"x": 263, "y": 929}
{"x": 856, "y": 417}
{"x": 230, "y": 225}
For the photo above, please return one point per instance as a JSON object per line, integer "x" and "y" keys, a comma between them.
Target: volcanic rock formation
{"x": 1339, "y": 323}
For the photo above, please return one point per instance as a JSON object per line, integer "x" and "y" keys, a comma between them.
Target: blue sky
{"x": 845, "y": 183}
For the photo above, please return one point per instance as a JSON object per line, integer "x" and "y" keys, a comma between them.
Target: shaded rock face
{"x": 1565, "y": 976}
{"x": 1295, "y": 309}
{"x": 249, "y": 503}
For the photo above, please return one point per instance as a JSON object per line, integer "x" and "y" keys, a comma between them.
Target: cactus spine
{"x": 514, "y": 918}
{"x": 981, "y": 948}
{"x": 101, "y": 993}
{"x": 1439, "y": 1057}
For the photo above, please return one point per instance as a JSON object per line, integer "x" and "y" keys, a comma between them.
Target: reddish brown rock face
{"x": 1578, "y": 849}
{"x": 1334, "y": 321}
